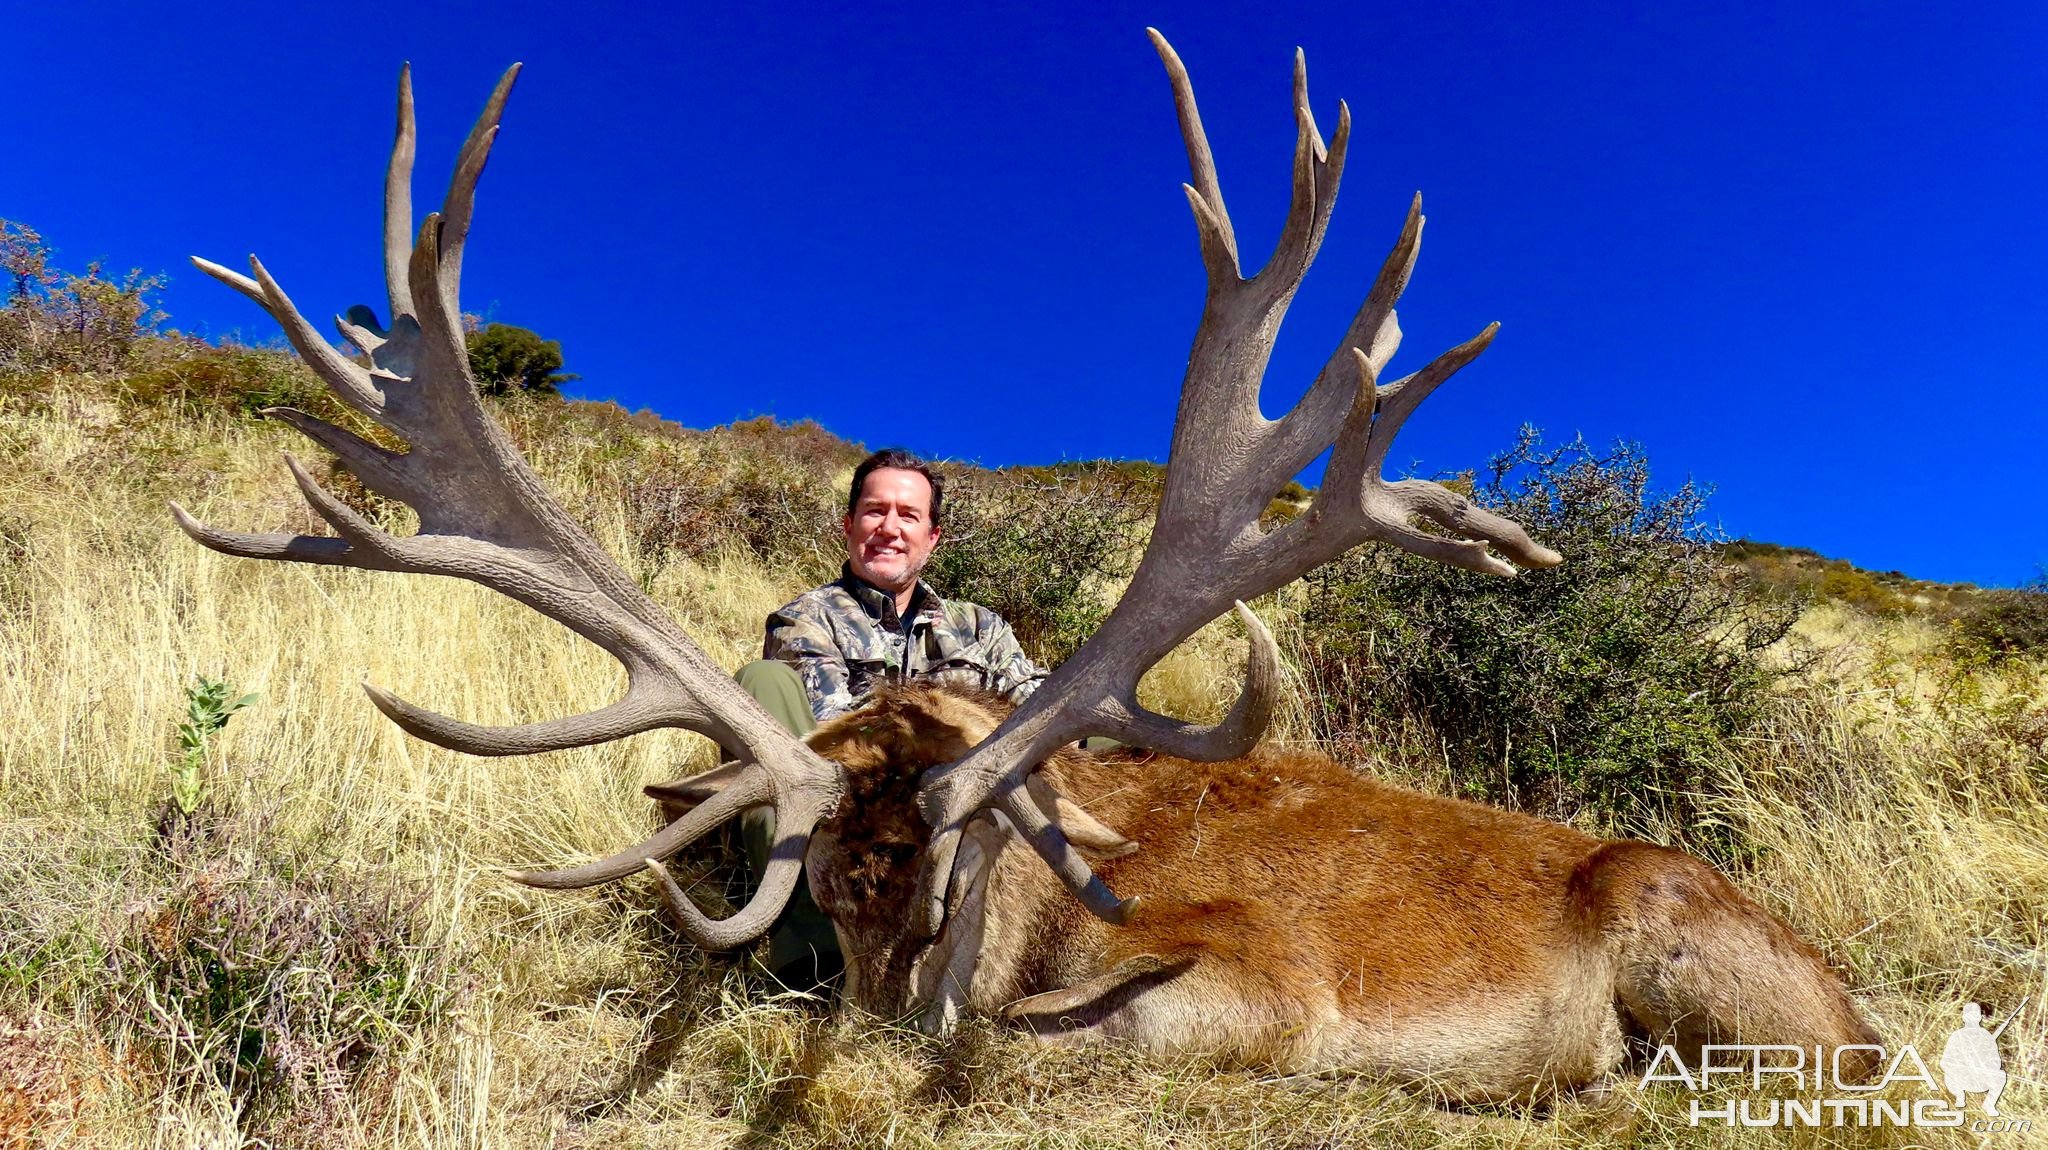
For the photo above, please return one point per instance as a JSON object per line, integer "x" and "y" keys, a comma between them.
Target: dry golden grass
{"x": 1901, "y": 827}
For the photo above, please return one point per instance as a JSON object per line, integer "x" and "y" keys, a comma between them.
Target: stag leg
{"x": 1695, "y": 962}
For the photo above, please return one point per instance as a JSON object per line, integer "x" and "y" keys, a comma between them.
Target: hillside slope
{"x": 320, "y": 953}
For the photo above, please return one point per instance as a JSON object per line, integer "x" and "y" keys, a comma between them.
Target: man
{"x": 877, "y": 623}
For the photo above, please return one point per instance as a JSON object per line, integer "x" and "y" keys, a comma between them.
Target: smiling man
{"x": 878, "y": 623}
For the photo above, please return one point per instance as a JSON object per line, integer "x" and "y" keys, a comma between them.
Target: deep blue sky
{"x": 1796, "y": 250}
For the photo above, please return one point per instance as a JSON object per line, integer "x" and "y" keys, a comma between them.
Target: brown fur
{"x": 1300, "y": 916}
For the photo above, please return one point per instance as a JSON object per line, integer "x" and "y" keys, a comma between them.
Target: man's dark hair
{"x": 899, "y": 459}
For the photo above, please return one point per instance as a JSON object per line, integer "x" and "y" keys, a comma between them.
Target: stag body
{"x": 1301, "y": 916}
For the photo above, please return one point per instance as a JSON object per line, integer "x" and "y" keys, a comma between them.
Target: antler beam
{"x": 1227, "y": 463}
{"x": 486, "y": 517}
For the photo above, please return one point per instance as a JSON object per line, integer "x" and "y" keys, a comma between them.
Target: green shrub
{"x": 2007, "y": 623}
{"x": 802, "y": 441}
{"x": 506, "y": 358}
{"x": 739, "y": 485}
{"x": 1859, "y": 589}
{"x": 53, "y": 320}
{"x": 1802, "y": 573}
{"x": 1601, "y": 690}
{"x": 226, "y": 955}
{"x": 273, "y": 973}
{"x": 196, "y": 377}
{"x": 1040, "y": 546}
{"x": 281, "y": 979}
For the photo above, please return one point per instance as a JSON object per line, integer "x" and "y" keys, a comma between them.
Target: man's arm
{"x": 807, "y": 645}
{"x": 1016, "y": 676}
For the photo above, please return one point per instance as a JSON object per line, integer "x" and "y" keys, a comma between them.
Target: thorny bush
{"x": 2006, "y": 623}
{"x": 732, "y": 487}
{"x": 1042, "y": 548}
{"x": 53, "y": 320}
{"x": 1600, "y": 690}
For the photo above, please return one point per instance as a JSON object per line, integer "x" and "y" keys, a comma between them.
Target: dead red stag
{"x": 1295, "y": 914}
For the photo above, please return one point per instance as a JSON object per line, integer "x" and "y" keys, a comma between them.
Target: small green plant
{"x": 209, "y": 703}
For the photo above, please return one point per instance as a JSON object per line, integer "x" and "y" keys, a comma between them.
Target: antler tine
{"x": 1305, "y": 432}
{"x": 638, "y": 712}
{"x": 778, "y": 882}
{"x": 1052, "y": 845}
{"x": 235, "y": 280}
{"x": 1204, "y": 191}
{"x": 398, "y": 205}
{"x": 379, "y": 469}
{"x": 265, "y": 545}
{"x": 1317, "y": 171}
{"x": 751, "y": 789}
{"x": 1208, "y": 547}
{"x": 364, "y": 336}
{"x": 485, "y": 517}
{"x": 460, "y": 203}
{"x": 350, "y": 381}
{"x": 1398, "y": 400}
{"x": 1239, "y": 730}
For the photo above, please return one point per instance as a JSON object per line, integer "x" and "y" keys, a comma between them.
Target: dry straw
{"x": 1904, "y": 832}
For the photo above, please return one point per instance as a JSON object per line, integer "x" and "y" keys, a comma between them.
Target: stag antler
{"x": 485, "y": 516}
{"x": 1227, "y": 463}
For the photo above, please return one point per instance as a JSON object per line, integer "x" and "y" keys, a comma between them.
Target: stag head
{"x": 898, "y": 820}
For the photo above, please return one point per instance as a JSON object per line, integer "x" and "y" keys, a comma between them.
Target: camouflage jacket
{"x": 845, "y": 639}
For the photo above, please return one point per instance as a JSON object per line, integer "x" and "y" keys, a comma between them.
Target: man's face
{"x": 890, "y": 534}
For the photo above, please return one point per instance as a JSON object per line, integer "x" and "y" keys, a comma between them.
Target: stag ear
{"x": 918, "y": 725}
{"x": 360, "y": 315}
{"x": 1081, "y": 828}
{"x": 959, "y": 717}
{"x": 1086, "y": 1003}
